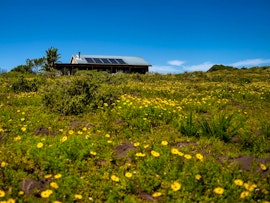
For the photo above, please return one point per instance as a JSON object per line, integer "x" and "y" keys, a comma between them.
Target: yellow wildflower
{"x": 54, "y": 185}
{"x": 244, "y": 194}
{"x": 108, "y": 135}
{"x": 175, "y": 186}
{"x": 198, "y": 177}
{"x": 155, "y": 154}
{"x": 2, "y": 193}
{"x": 238, "y": 182}
{"x": 156, "y": 194}
{"x": 80, "y": 132}
{"x": 70, "y": 132}
{"x": 84, "y": 129}
{"x": 219, "y": 190}
{"x": 263, "y": 167}
{"x": 146, "y": 146}
{"x": 48, "y": 176}
{"x": 136, "y": 144}
{"x": 115, "y": 178}
{"x": 128, "y": 174}
{"x": 93, "y": 153}
{"x": 40, "y": 145}
{"x": 174, "y": 151}
{"x": 63, "y": 139}
{"x": 57, "y": 176}
{"x": 21, "y": 193}
{"x": 46, "y": 193}
{"x": 3, "y": 164}
{"x": 250, "y": 187}
{"x": 77, "y": 196}
{"x": 10, "y": 200}
{"x": 57, "y": 201}
{"x": 187, "y": 156}
{"x": 140, "y": 154}
{"x": 17, "y": 138}
{"x": 180, "y": 154}
{"x": 23, "y": 129}
{"x": 199, "y": 156}
{"x": 164, "y": 143}
{"x": 22, "y": 119}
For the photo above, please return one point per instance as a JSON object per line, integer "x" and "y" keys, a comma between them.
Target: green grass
{"x": 96, "y": 137}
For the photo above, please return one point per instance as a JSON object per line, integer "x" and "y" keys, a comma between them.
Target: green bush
{"x": 221, "y": 127}
{"x": 26, "y": 85}
{"x": 78, "y": 95}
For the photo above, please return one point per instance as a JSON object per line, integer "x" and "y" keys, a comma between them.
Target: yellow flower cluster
{"x": 175, "y": 186}
{"x": 219, "y": 190}
{"x": 46, "y": 193}
{"x": 115, "y": 178}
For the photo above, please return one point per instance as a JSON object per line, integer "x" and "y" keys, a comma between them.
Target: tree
{"x": 51, "y": 58}
{"x": 38, "y": 63}
{"x": 31, "y": 65}
{"x": 221, "y": 67}
{"x": 22, "y": 69}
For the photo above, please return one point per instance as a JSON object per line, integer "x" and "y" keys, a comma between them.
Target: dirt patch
{"x": 183, "y": 144}
{"x": 30, "y": 186}
{"x": 79, "y": 124}
{"x": 147, "y": 197}
{"x": 43, "y": 131}
{"x": 123, "y": 148}
{"x": 248, "y": 163}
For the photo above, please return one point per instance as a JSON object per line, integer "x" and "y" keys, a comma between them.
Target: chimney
{"x": 79, "y": 55}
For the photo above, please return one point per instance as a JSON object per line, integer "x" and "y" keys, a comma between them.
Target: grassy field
{"x": 96, "y": 137}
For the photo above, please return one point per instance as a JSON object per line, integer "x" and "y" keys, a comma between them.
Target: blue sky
{"x": 172, "y": 35}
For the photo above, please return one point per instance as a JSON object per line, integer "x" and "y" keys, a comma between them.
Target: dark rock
{"x": 123, "y": 148}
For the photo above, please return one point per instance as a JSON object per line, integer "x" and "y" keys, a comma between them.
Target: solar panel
{"x": 120, "y": 61}
{"x": 97, "y": 60}
{"x": 89, "y": 60}
{"x": 105, "y": 60}
{"x": 113, "y": 61}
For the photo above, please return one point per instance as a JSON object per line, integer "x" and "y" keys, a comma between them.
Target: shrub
{"x": 220, "y": 67}
{"x": 78, "y": 95}
{"x": 189, "y": 127}
{"x": 24, "y": 85}
{"x": 221, "y": 127}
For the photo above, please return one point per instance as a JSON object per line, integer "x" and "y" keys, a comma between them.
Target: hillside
{"x": 96, "y": 137}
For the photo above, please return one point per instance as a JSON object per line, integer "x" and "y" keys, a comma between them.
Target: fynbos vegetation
{"x": 96, "y": 137}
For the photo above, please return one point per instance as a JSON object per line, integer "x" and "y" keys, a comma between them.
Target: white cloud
{"x": 176, "y": 62}
{"x": 250, "y": 62}
{"x": 166, "y": 69}
{"x": 199, "y": 67}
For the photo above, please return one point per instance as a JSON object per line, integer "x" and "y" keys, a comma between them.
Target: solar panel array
{"x": 105, "y": 61}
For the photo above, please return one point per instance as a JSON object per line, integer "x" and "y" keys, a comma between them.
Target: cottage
{"x": 111, "y": 64}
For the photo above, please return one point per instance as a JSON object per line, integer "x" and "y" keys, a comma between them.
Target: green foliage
{"x": 25, "y": 85}
{"x": 73, "y": 97}
{"x": 97, "y": 137}
{"x": 188, "y": 126}
{"x": 220, "y": 67}
{"x": 52, "y": 57}
{"x": 70, "y": 97}
{"x": 22, "y": 69}
{"x": 31, "y": 66}
{"x": 222, "y": 127}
